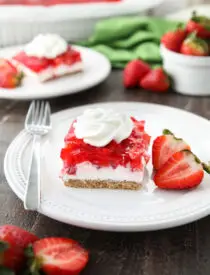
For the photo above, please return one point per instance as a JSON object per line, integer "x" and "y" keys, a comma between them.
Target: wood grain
{"x": 180, "y": 251}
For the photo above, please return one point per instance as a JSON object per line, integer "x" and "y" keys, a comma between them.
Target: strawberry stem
{"x": 180, "y": 26}
{"x": 194, "y": 15}
{"x": 206, "y": 167}
{"x": 192, "y": 36}
{"x": 167, "y": 132}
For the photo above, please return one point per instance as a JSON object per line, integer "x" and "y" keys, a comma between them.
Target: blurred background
{"x": 19, "y": 24}
{"x": 170, "y": 6}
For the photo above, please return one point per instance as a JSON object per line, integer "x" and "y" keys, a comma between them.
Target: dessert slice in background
{"x": 48, "y": 56}
{"x": 105, "y": 149}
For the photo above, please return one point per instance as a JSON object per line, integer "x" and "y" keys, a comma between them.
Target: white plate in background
{"x": 96, "y": 69}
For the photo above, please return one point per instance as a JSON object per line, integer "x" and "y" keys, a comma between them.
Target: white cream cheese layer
{"x": 87, "y": 171}
{"x": 50, "y": 72}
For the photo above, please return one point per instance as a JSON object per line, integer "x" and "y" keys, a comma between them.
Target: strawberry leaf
{"x": 29, "y": 251}
{"x": 33, "y": 264}
{"x": 206, "y": 167}
{"x": 6, "y": 271}
{"x": 167, "y": 132}
{"x": 29, "y": 272}
{"x": 3, "y": 246}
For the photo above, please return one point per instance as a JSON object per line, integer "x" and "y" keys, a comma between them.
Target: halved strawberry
{"x": 182, "y": 171}
{"x": 58, "y": 256}
{"x": 165, "y": 146}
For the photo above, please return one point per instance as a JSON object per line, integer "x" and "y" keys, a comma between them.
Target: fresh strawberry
{"x": 58, "y": 256}
{"x": 172, "y": 40}
{"x": 134, "y": 71}
{"x": 182, "y": 171}
{"x": 10, "y": 77}
{"x": 156, "y": 80}
{"x": 200, "y": 25}
{"x": 13, "y": 241}
{"x": 194, "y": 45}
{"x": 165, "y": 146}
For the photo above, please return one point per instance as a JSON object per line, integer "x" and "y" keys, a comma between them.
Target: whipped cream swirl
{"x": 46, "y": 45}
{"x": 98, "y": 127}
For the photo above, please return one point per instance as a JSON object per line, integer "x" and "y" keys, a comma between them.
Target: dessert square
{"x": 48, "y": 57}
{"x": 105, "y": 149}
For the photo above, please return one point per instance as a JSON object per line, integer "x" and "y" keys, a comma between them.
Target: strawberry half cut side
{"x": 182, "y": 171}
{"x": 57, "y": 256}
{"x": 165, "y": 146}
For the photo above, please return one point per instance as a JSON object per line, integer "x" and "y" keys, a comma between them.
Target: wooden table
{"x": 179, "y": 251}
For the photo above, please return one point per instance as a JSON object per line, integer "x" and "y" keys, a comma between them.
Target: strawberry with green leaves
{"x": 56, "y": 256}
{"x": 13, "y": 241}
{"x": 194, "y": 45}
{"x": 10, "y": 77}
{"x": 200, "y": 25}
{"x": 183, "y": 170}
{"x": 165, "y": 146}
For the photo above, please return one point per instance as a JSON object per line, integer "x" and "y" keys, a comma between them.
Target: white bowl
{"x": 190, "y": 74}
{"x": 19, "y": 24}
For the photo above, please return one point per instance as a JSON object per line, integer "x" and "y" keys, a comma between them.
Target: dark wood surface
{"x": 180, "y": 251}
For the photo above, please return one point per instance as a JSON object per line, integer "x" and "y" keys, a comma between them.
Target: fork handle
{"x": 32, "y": 193}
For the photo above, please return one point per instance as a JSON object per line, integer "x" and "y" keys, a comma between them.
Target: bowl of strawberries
{"x": 186, "y": 56}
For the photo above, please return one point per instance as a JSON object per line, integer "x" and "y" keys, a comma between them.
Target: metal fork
{"x": 38, "y": 124}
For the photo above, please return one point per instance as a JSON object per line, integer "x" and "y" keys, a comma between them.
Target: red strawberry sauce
{"x": 132, "y": 150}
{"x": 38, "y": 64}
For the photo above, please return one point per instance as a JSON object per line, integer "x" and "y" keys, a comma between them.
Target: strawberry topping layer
{"x": 130, "y": 152}
{"x": 36, "y": 64}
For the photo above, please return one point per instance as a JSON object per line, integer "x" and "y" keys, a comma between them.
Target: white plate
{"x": 96, "y": 69}
{"x": 147, "y": 209}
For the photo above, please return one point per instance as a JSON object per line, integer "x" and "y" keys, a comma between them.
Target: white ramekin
{"x": 190, "y": 74}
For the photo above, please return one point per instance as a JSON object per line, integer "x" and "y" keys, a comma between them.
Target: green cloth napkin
{"x": 123, "y": 39}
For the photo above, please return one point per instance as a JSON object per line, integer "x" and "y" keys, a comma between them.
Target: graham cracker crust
{"x": 99, "y": 184}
